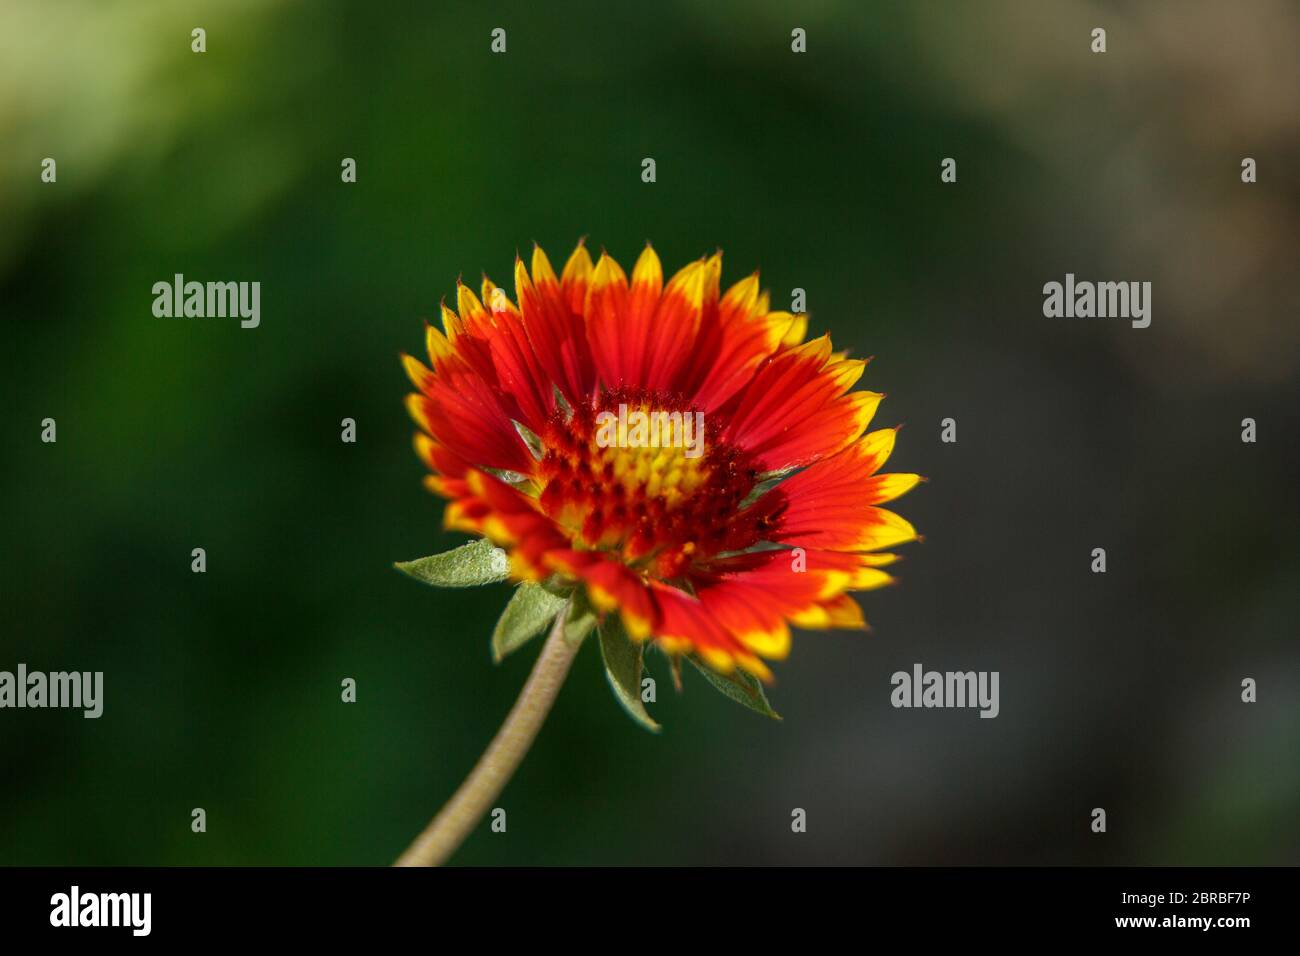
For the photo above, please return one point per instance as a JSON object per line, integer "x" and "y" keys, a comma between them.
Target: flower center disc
{"x": 644, "y": 475}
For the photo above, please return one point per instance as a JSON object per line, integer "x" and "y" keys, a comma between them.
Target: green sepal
{"x": 531, "y": 610}
{"x": 557, "y": 585}
{"x": 624, "y": 663}
{"x": 581, "y": 619}
{"x": 479, "y": 562}
{"x": 741, "y": 687}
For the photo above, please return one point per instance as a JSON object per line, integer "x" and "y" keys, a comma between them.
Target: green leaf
{"x": 530, "y": 611}
{"x": 479, "y": 562}
{"x": 581, "y": 619}
{"x": 741, "y": 687}
{"x": 623, "y": 665}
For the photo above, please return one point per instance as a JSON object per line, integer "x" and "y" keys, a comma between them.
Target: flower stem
{"x": 452, "y": 825}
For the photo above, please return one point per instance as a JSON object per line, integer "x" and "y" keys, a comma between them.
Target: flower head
{"x": 679, "y": 454}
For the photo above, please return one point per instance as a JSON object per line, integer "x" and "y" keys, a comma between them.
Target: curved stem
{"x": 485, "y": 782}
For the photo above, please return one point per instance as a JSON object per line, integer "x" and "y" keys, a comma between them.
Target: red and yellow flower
{"x": 714, "y": 556}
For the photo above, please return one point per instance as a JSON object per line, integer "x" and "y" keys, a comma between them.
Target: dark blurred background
{"x": 222, "y": 690}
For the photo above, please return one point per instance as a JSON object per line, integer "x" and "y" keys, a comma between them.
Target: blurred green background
{"x": 822, "y": 169}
